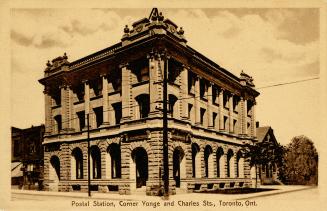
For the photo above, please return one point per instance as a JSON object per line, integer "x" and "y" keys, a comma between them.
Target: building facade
{"x": 27, "y": 157}
{"x": 120, "y": 88}
{"x": 268, "y": 173}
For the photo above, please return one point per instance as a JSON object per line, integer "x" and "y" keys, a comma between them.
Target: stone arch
{"x": 239, "y": 165}
{"x": 230, "y": 163}
{"x": 54, "y": 173}
{"x": 113, "y": 161}
{"x": 179, "y": 165}
{"x": 76, "y": 165}
{"x": 139, "y": 166}
{"x": 208, "y": 161}
{"x": 220, "y": 162}
{"x": 196, "y": 161}
{"x": 95, "y": 162}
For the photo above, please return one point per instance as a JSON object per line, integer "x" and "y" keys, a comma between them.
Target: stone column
{"x": 253, "y": 117}
{"x": 183, "y": 93}
{"x": 231, "y": 126}
{"x": 209, "y": 106}
{"x": 221, "y": 109}
{"x": 105, "y": 100}
{"x": 243, "y": 113}
{"x": 126, "y": 93}
{"x": 66, "y": 107}
{"x": 87, "y": 102}
{"x": 48, "y": 111}
{"x": 196, "y": 100}
{"x": 155, "y": 71}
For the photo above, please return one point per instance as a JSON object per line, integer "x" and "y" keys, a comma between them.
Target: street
{"x": 284, "y": 198}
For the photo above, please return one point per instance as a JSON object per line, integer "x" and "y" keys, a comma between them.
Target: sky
{"x": 274, "y": 46}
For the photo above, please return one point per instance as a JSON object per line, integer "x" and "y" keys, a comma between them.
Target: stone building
{"x": 211, "y": 115}
{"x": 27, "y": 157}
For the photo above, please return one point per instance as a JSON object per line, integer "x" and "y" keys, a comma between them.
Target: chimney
{"x": 257, "y": 124}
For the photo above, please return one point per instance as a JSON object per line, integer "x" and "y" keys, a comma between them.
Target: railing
{"x": 93, "y": 57}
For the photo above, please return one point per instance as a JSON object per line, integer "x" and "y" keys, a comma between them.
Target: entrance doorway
{"x": 178, "y": 165}
{"x": 140, "y": 159}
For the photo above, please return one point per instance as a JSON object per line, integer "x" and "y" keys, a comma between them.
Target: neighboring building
{"x": 16, "y": 157}
{"x": 268, "y": 173}
{"x": 27, "y": 157}
{"x": 120, "y": 88}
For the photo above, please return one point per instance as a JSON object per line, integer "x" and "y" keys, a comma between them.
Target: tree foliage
{"x": 300, "y": 163}
{"x": 262, "y": 153}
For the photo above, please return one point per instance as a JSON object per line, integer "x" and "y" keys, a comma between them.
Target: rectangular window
{"x": 214, "y": 95}
{"x": 58, "y": 123}
{"x": 118, "y": 112}
{"x": 225, "y": 122}
{"x": 225, "y": 100}
{"x": 98, "y": 116}
{"x": 214, "y": 119}
{"x": 235, "y": 126}
{"x": 56, "y": 96}
{"x": 202, "y": 115}
{"x": 249, "y": 107}
{"x": 191, "y": 82}
{"x": 190, "y": 106}
{"x": 235, "y": 103}
{"x": 79, "y": 90}
{"x": 81, "y": 119}
{"x": 203, "y": 89}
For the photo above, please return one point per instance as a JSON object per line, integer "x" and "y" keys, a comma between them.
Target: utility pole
{"x": 165, "y": 128}
{"x": 88, "y": 155}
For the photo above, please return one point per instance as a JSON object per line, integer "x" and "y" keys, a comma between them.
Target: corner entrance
{"x": 139, "y": 166}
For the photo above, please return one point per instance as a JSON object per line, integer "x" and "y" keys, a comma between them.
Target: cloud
{"x": 262, "y": 42}
{"x": 255, "y": 42}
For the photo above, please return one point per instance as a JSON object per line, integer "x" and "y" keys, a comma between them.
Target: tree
{"x": 300, "y": 162}
{"x": 261, "y": 153}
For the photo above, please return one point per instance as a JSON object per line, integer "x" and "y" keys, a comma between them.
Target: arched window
{"x": 230, "y": 155}
{"x": 114, "y": 161}
{"x": 196, "y": 161}
{"x": 144, "y": 105}
{"x": 77, "y": 164}
{"x": 220, "y": 162}
{"x": 239, "y": 165}
{"x": 54, "y": 170}
{"x": 208, "y": 162}
{"x": 178, "y": 165}
{"x": 139, "y": 168}
{"x": 95, "y": 162}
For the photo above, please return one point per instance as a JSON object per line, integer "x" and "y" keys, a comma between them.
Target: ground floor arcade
{"x": 133, "y": 163}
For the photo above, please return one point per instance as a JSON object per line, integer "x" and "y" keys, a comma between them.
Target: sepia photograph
{"x": 164, "y": 106}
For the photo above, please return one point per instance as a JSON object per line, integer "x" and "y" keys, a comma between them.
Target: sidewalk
{"x": 280, "y": 189}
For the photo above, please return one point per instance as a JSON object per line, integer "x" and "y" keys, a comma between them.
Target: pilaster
{"x": 209, "y": 105}
{"x": 231, "y": 126}
{"x": 126, "y": 93}
{"x": 253, "y": 119}
{"x": 196, "y": 100}
{"x": 183, "y": 93}
{"x": 221, "y": 109}
{"x": 66, "y": 107}
{"x": 156, "y": 68}
{"x": 48, "y": 111}
{"x": 87, "y": 102}
{"x": 105, "y": 100}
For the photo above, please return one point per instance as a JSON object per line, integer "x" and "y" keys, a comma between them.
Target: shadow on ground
{"x": 238, "y": 190}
